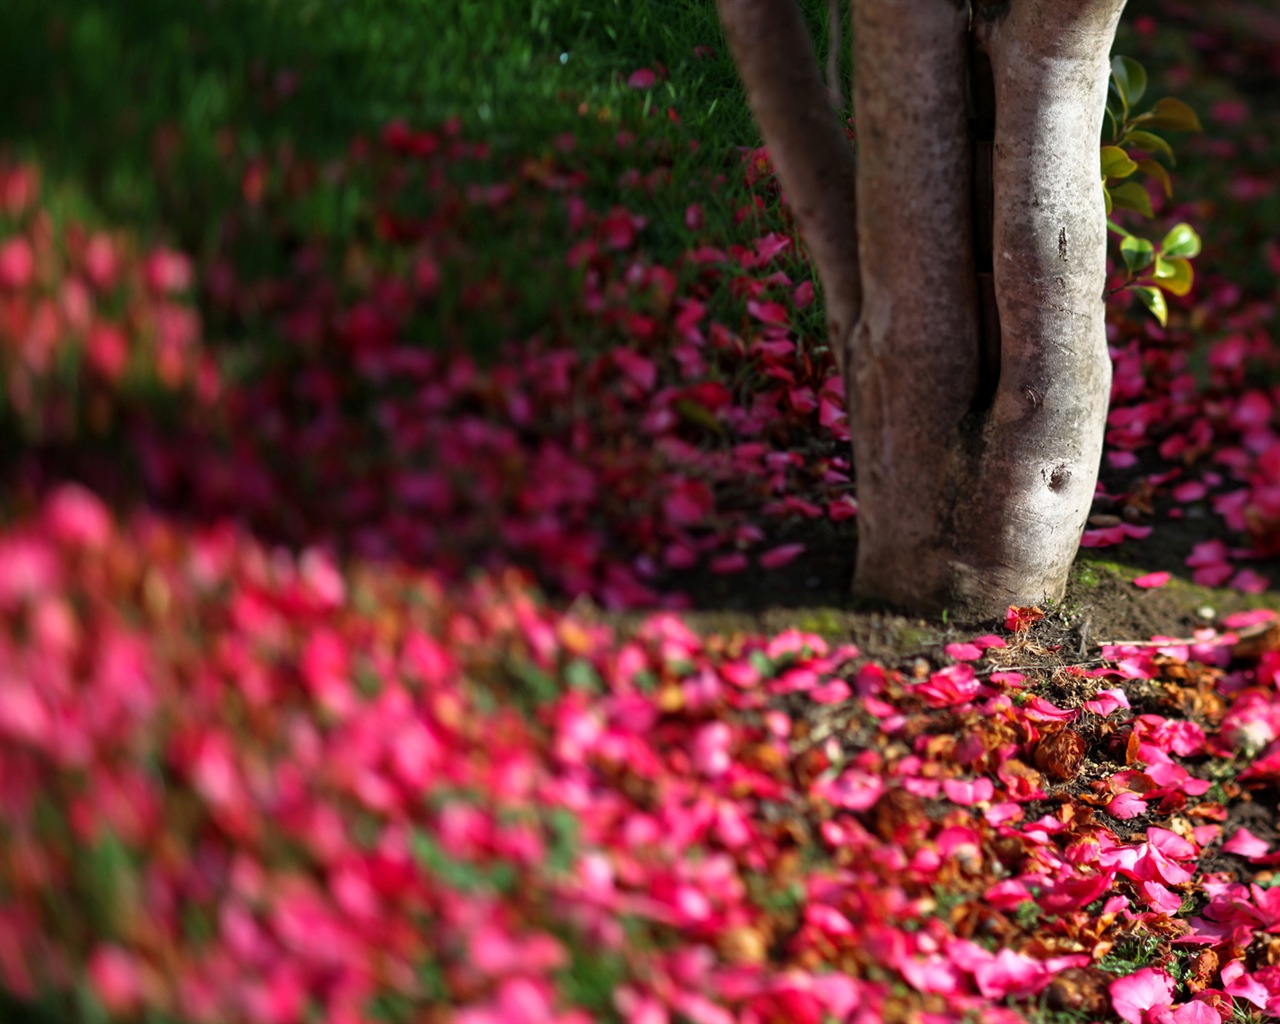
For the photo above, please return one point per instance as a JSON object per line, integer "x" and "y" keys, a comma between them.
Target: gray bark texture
{"x": 975, "y": 352}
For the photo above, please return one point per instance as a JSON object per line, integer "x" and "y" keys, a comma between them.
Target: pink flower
{"x": 1152, "y": 580}
{"x": 1141, "y": 996}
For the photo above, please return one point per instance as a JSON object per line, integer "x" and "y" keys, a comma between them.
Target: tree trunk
{"x": 977, "y": 365}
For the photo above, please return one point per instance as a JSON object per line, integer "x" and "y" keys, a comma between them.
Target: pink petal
{"x": 1126, "y": 805}
{"x": 1107, "y": 701}
{"x": 1195, "y": 1012}
{"x": 828, "y": 919}
{"x": 1170, "y": 843}
{"x": 854, "y": 790}
{"x": 1160, "y": 898}
{"x": 1252, "y": 617}
{"x": 724, "y": 564}
{"x": 76, "y": 516}
{"x": 1040, "y": 710}
{"x": 1245, "y": 844}
{"x": 1133, "y": 995}
{"x": 835, "y": 692}
{"x": 711, "y": 746}
{"x": 642, "y": 78}
{"x": 1009, "y": 974}
{"x": 768, "y": 312}
{"x": 964, "y": 652}
{"x": 968, "y": 792}
{"x": 1249, "y": 582}
{"x": 782, "y": 555}
{"x": 1192, "y": 490}
{"x": 1152, "y": 580}
{"x": 1239, "y": 983}
{"x": 1007, "y": 894}
{"x": 840, "y": 993}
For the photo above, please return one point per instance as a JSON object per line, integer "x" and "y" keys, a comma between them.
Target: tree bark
{"x": 978, "y": 369}
{"x": 975, "y": 477}
{"x": 915, "y": 356}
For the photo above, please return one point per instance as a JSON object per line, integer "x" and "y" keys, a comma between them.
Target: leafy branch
{"x": 1135, "y": 148}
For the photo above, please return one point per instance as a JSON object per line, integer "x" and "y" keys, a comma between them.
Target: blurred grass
{"x": 126, "y": 104}
{"x": 144, "y": 113}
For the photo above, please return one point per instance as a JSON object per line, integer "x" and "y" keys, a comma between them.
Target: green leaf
{"x": 698, "y": 415}
{"x": 1157, "y": 171}
{"x": 1181, "y": 242}
{"x": 1173, "y": 276}
{"x": 1150, "y": 143}
{"x": 1137, "y": 253}
{"x": 1130, "y": 78}
{"x": 582, "y": 675}
{"x": 1106, "y": 199}
{"x": 1172, "y": 114}
{"x": 1132, "y": 196}
{"x": 1153, "y": 299}
{"x": 1114, "y": 117}
{"x": 1116, "y": 163}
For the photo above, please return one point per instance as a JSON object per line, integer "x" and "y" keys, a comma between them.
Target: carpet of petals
{"x": 290, "y": 731}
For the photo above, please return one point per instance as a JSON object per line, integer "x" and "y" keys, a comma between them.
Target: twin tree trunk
{"x": 962, "y": 257}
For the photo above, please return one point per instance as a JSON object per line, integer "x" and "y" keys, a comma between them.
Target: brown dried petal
{"x": 898, "y": 814}
{"x": 1060, "y": 754}
{"x": 1081, "y": 990}
{"x": 743, "y": 944}
{"x": 1203, "y": 967}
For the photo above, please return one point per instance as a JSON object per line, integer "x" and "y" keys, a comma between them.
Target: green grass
{"x": 97, "y": 92}
{"x": 143, "y": 114}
